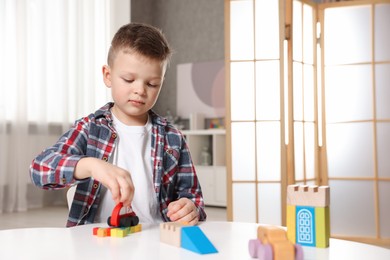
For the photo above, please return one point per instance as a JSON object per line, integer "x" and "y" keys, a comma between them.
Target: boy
{"x": 124, "y": 152}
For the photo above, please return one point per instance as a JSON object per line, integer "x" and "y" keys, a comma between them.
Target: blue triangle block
{"x": 193, "y": 239}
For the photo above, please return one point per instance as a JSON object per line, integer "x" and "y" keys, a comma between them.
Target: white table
{"x": 230, "y": 239}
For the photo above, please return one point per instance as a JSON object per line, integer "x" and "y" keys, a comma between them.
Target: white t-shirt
{"x": 133, "y": 153}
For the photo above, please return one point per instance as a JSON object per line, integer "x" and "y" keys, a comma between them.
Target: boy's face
{"x": 135, "y": 83}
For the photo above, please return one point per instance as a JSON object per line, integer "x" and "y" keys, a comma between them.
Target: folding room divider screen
{"x": 307, "y": 102}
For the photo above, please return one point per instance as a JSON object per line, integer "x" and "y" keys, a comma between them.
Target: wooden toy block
{"x": 170, "y": 233}
{"x": 119, "y": 232}
{"x": 193, "y": 239}
{"x": 291, "y": 223}
{"x": 303, "y": 195}
{"x": 102, "y": 232}
{"x": 308, "y": 215}
{"x": 126, "y": 230}
{"x": 138, "y": 228}
{"x": 116, "y": 232}
{"x": 95, "y": 230}
{"x": 322, "y": 227}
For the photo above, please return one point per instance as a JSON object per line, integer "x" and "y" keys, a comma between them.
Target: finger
{"x": 114, "y": 188}
{"x": 182, "y": 213}
{"x": 191, "y": 218}
{"x": 173, "y": 207}
{"x": 126, "y": 191}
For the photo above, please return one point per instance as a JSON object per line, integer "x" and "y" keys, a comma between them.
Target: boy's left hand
{"x": 183, "y": 210}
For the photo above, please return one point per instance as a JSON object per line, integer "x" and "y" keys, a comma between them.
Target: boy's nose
{"x": 139, "y": 88}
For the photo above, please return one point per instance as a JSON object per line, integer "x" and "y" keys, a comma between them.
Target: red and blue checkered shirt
{"x": 174, "y": 174}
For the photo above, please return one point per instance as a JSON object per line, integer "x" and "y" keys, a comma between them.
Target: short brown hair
{"x": 141, "y": 38}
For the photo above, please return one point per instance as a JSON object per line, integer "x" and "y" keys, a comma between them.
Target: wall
{"x": 195, "y": 30}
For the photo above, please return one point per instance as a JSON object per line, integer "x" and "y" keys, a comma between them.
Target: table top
{"x": 229, "y": 238}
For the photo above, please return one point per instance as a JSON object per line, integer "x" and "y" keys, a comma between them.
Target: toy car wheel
{"x": 129, "y": 221}
{"x": 253, "y": 246}
{"x": 264, "y": 252}
{"x": 298, "y": 252}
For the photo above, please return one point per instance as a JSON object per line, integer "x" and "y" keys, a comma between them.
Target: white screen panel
{"x": 298, "y": 151}
{"x": 242, "y": 91}
{"x": 382, "y": 32}
{"x": 241, "y": 30}
{"x": 269, "y": 199}
{"x": 352, "y": 210}
{"x": 308, "y": 34}
{"x": 267, "y": 90}
{"x": 309, "y": 151}
{"x": 382, "y": 81}
{"x": 350, "y": 150}
{"x": 348, "y": 93}
{"x": 347, "y": 35}
{"x": 244, "y": 202}
{"x": 311, "y": 183}
{"x": 384, "y": 205}
{"x": 383, "y": 146}
{"x": 243, "y": 151}
{"x": 297, "y": 31}
{"x": 308, "y": 94}
{"x": 268, "y": 151}
{"x": 267, "y": 29}
{"x": 298, "y": 91}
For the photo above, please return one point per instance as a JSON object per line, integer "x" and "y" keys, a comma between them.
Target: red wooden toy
{"x": 126, "y": 220}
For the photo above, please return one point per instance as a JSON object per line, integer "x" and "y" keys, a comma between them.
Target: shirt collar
{"x": 106, "y": 112}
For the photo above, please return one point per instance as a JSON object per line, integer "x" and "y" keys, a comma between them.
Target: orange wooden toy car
{"x": 272, "y": 244}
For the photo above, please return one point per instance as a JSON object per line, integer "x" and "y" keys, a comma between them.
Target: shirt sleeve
{"x": 188, "y": 183}
{"x": 54, "y": 167}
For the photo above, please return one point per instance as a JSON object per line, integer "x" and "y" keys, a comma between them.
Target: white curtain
{"x": 51, "y": 53}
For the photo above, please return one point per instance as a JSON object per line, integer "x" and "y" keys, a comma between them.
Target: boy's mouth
{"x": 136, "y": 102}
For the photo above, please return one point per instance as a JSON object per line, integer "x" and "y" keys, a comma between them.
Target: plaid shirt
{"x": 174, "y": 174}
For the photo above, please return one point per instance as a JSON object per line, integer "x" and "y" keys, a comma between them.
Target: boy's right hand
{"x": 114, "y": 178}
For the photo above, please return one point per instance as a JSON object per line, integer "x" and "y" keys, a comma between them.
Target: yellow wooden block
{"x": 322, "y": 221}
{"x": 102, "y": 232}
{"x": 118, "y": 232}
{"x": 138, "y": 228}
{"x": 291, "y": 223}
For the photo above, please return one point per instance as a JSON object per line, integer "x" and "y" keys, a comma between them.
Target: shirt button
{"x": 170, "y": 151}
{"x": 95, "y": 186}
{"x": 105, "y": 158}
{"x": 113, "y": 135}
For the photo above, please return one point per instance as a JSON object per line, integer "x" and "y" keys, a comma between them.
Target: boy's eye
{"x": 128, "y": 80}
{"x": 153, "y": 85}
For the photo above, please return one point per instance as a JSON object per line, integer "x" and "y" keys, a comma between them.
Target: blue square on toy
{"x": 305, "y": 225}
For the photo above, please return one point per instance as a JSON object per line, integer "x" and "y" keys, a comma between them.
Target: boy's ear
{"x": 106, "y": 75}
